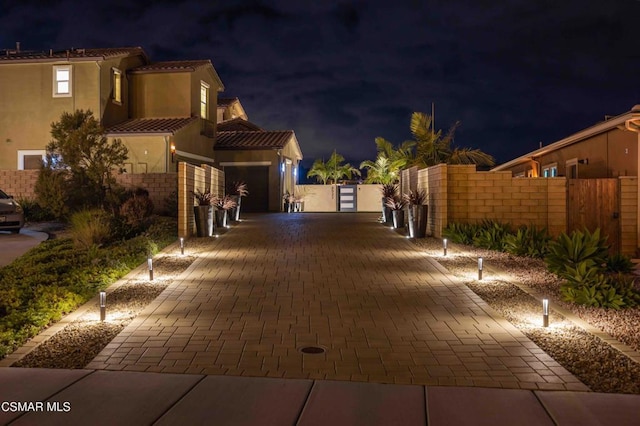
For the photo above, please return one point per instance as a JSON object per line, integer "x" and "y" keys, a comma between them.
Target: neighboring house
{"x": 163, "y": 112}
{"x": 601, "y": 165}
{"x": 266, "y": 160}
{"x": 605, "y": 150}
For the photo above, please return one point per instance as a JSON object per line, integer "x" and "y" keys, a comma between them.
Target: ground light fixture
{"x": 480, "y": 266}
{"x": 103, "y": 305}
{"x": 545, "y": 312}
{"x": 444, "y": 246}
{"x": 150, "y": 265}
{"x": 182, "y": 246}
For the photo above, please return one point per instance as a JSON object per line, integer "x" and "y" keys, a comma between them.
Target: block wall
{"x": 193, "y": 178}
{"x": 629, "y": 215}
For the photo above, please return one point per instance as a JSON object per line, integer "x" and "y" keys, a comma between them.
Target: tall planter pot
{"x": 236, "y": 215}
{"x": 398, "y": 218}
{"x": 420, "y": 220}
{"x": 411, "y": 215}
{"x": 387, "y": 217}
{"x": 204, "y": 220}
{"x": 221, "y": 218}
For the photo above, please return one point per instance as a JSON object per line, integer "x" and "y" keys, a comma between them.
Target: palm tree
{"x": 433, "y": 148}
{"x": 333, "y": 169}
{"x": 389, "y": 161}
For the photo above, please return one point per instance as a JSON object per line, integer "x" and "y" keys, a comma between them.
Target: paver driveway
{"x": 383, "y": 310}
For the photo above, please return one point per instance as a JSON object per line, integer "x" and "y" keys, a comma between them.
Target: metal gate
{"x": 595, "y": 203}
{"x": 347, "y": 198}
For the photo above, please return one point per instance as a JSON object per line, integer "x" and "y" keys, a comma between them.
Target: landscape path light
{"x": 545, "y": 312}
{"x": 150, "y": 265}
{"x": 444, "y": 246}
{"x": 480, "y": 266}
{"x": 103, "y": 305}
{"x": 182, "y": 245}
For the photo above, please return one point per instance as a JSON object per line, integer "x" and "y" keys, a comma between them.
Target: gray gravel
{"x": 598, "y": 365}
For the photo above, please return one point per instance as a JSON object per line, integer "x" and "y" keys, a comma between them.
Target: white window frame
{"x": 57, "y": 81}
{"x": 204, "y": 100}
{"x": 23, "y": 152}
{"x": 116, "y": 83}
{"x": 550, "y": 170}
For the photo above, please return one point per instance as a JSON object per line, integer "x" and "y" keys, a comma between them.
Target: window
{"x": 117, "y": 85}
{"x": 204, "y": 100}
{"x": 30, "y": 159}
{"x": 550, "y": 170}
{"x": 62, "y": 81}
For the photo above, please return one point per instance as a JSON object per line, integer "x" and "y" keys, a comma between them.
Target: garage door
{"x": 257, "y": 180}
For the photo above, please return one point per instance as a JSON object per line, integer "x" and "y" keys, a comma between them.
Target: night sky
{"x": 340, "y": 73}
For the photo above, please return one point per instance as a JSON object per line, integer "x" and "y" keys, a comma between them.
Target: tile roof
{"x": 252, "y": 140}
{"x": 238, "y": 124}
{"x": 172, "y": 66}
{"x": 151, "y": 125}
{"x": 71, "y": 54}
{"x": 225, "y": 102}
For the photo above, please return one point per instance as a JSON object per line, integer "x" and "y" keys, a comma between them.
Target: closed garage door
{"x": 257, "y": 180}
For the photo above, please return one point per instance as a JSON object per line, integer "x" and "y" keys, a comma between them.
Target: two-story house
{"x": 164, "y": 112}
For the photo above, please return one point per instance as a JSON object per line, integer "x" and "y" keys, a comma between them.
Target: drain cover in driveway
{"x": 312, "y": 350}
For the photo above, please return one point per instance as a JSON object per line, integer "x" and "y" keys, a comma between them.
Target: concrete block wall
{"x": 19, "y": 183}
{"x": 629, "y": 215}
{"x": 193, "y": 178}
{"x": 458, "y": 193}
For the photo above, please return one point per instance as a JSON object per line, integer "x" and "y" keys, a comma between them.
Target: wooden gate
{"x": 595, "y": 203}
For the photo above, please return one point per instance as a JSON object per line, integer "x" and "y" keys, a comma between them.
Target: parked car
{"x": 11, "y": 214}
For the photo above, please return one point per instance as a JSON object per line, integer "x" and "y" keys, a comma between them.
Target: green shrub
{"x": 619, "y": 263}
{"x": 461, "y": 233}
{"x": 51, "y": 191}
{"x": 528, "y": 241}
{"x": 491, "y": 235}
{"x": 567, "y": 252}
{"x": 137, "y": 209}
{"x": 90, "y": 227}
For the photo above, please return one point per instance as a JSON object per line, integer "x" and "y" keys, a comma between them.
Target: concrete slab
{"x": 484, "y": 406}
{"x": 32, "y": 385}
{"x": 584, "y": 409}
{"x": 224, "y": 400}
{"x": 110, "y": 398}
{"x": 12, "y": 246}
{"x": 349, "y": 403}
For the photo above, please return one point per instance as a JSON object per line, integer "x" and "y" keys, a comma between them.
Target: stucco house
{"x": 164, "y": 112}
{"x": 266, "y": 160}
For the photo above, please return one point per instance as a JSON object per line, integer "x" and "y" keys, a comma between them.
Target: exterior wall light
{"x": 103, "y": 305}
{"x": 444, "y": 246}
{"x": 182, "y": 246}
{"x": 480, "y": 265}
{"x": 150, "y": 265}
{"x": 172, "y": 148}
{"x": 545, "y": 312}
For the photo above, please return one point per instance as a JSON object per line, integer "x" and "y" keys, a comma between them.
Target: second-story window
{"x": 204, "y": 100}
{"x": 62, "y": 81}
{"x": 117, "y": 85}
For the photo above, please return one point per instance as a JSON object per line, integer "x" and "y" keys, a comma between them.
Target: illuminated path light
{"x": 545, "y": 312}
{"x": 444, "y": 246}
{"x": 182, "y": 246}
{"x": 150, "y": 265}
{"x": 103, "y": 305}
{"x": 480, "y": 265}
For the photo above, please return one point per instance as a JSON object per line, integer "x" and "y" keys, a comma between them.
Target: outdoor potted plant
{"x": 417, "y": 210}
{"x": 288, "y": 200}
{"x": 389, "y": 190}
{"x": 240, "y": 190}
{"x": 396, "y": 204}
{"x": 203, "y": 213}
{"x": 223, "y": 205}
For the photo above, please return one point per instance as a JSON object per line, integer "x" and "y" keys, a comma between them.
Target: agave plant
{"x": 204, "y": 198}
{"x": 389, "y": 190}
{"x": 224, "y": 203}
{"x": 416, "y": 198}
{"x": 395, "y": 203}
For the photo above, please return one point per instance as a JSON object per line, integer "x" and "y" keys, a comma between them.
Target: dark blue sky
{"x": 340, "y": 73}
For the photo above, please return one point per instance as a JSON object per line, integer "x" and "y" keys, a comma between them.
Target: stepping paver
{"x": 586, "y": 408}
{"x": 224, "y": 400}
{"x": 349, "y": 403}
{"x": 482, "y": 406}
{"x": 384, "y": 311}
{"x": 114, "y": 398}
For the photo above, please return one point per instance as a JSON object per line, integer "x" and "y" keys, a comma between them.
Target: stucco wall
{"x": 322, "y": 198}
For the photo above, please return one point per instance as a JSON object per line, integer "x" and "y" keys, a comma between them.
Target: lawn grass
{"x": 56, "y": 277}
